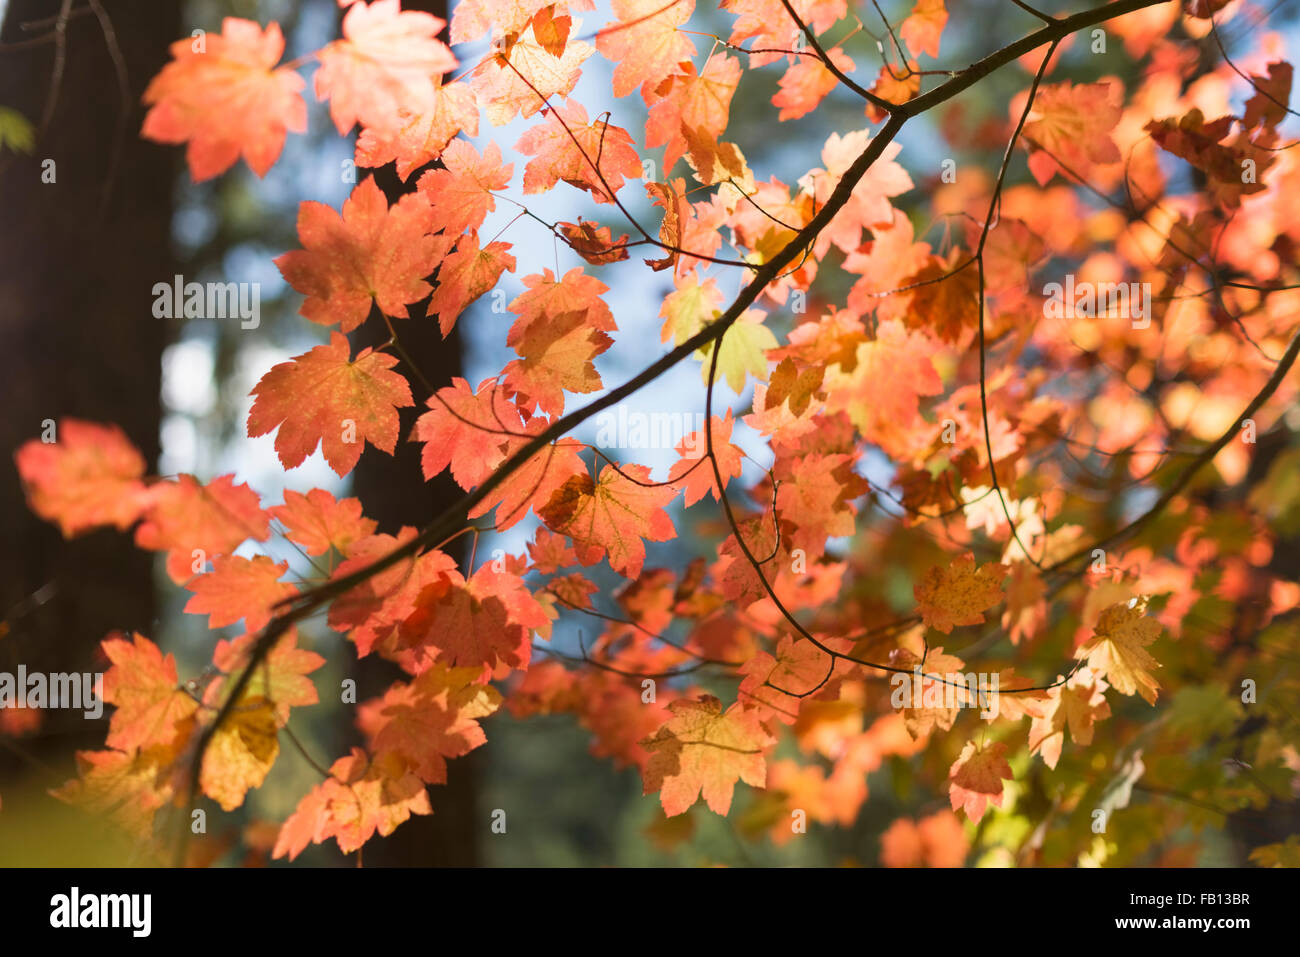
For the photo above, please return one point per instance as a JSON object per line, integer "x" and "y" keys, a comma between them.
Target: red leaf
{"x": 221, "y": 95}
{"x": 370, "y": 252}
{"x": 322, "y": 398}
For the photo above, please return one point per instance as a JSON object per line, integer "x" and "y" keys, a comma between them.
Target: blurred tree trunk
{"x": 86, "y": 235}
{"x": 393, "y": 492}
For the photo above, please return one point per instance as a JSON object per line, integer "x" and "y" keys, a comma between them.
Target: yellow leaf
{"x": 1117, "y": 648}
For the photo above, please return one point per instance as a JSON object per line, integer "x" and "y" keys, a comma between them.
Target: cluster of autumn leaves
{"x": 454, "y": 635}
{"x": 892, "y": 368}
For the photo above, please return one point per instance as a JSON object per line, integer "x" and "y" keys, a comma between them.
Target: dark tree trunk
{"x": 394, "y": 493}
{"x": 78, "y": 259}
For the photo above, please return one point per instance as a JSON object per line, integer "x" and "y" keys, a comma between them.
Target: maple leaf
{"x": 776, "y": 686}
{"x": 194, "y": 523}
{"x": 281, "y": 677}
{"x": 323, "y": 398}
{"x": 692, "y": 474}
{"x": 807, "y": 82}
{"x": 671, "y": 197}
{"x": 1199, "y": 143}
{"x": 468, "y": 430}
{"x": 486, "y": 621}
{"x": 881, "y": 389}
{"x": 551, "y": 27}
{"x": 614, "y": 516}
{"x": 742, "y": 352}
{"x": 521, "y": 81}
{"x": 535, "y": 482}
{"x": 975, "y": 778}
{"x": 596, "y": 244}
{"x": 1026, "y": 610}
{"x": 1071, "y": 123}
{"x": 151, "y": 709}
{"x": 869, "y": 204}
{"x": 1078, "y": 705}
{"x": 546, "y": 296}
{"x": 695, "y": 101}
{"x": 372, "y": 611}
{"x": 122, "y": 786}
{"x": 430, "y": 719}
{"x": 687, "y": 308}
{"x": 461, "y": 192}
{"x": 88, "y": 478}
{"x": 793, "y": 387}
{"x": 645, "y": 41}
{"x": 946, "y": 302}
{"x": 960, "y": 593}
{"x": 1268, "y": 105}
{"x": 717, "y": 162}
{"x": 702, "y": 749}
{"x": 465, "y": 275}
{"x": 418, "y": 139}
{"x": 922, "y": 29}
{"x": 222, "y": 97}
{"x": 557, "y": 354}
{"x": 894, "y": 84}
{"x": 1117, "y": 648}
{"x": 385, "y": 64}
{"x": 371, "y": 252}
{"x": 319, "y": 522}
{"x": 360, "y": 797}
{"x": 591, "y": 156}
{"x": 239, "y": 588}
{"x": 925, "y": 701}
{"x": 816, "y": 497}
{"x": 240, "y": 753}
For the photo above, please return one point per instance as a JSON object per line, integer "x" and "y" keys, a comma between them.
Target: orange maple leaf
{"x": 702, "y": 749}
{"x": 319, "y": 522}
{"x": 596, "y": 244}
{"x": 960, "y": 593}
{"x": 1071, "y": 123}
{"x": 1077, "y": 705}
{"x": 776, "y": 686}
{"x": 922, "y": 29}
{"x": 238, "y": 588}
{"x": 465, "y": 275}
{"x": 486, "y": 621}
{"x": 323, "y": 398}
{"x": 281, "y": 678}
{"x": 548, "y": 296}
{"x": 89, "y": 477}
{"x": 592, "y": 156}
{"x": 370, "y": 252}
{"x": 693, "y": 474}
{"x": 419, "y": 138}
{"x": 151, "y": 709}
{"x": 695, "y": 101}
{"x": 430, "y": 719}
{"x": 461, "y": 191}
{"x": 385, "y": 64}
{"x": 975, "y": 778}
{"x": 221, "y": 95}
{"x": 614, "y": 516}
{"x": 644, "y": 41}
{"x": 807, "y": 82}
{"x": 556, "y": 356}
{"x": 195, "y": 523}
{"x": 360, "y": 797}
